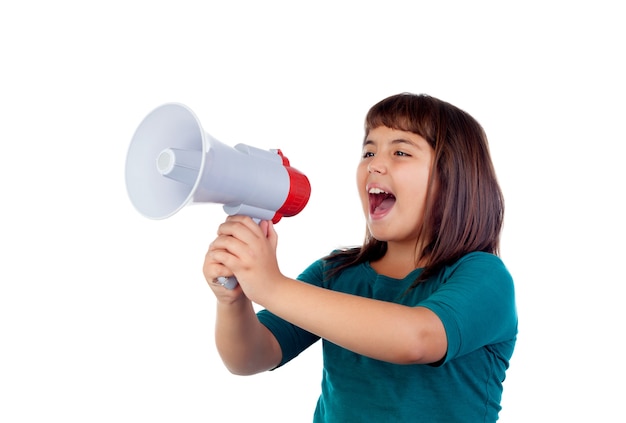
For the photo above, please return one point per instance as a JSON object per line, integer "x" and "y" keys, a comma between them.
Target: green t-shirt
{"x": 475, "y": 300}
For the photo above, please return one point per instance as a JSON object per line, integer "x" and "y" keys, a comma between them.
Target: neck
{"x": 398, "y": 261}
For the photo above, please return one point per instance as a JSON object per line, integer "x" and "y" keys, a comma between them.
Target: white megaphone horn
{"x": 172, "y": 162}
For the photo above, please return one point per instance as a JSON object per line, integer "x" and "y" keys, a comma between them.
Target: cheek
{"x": 361, "y": 177}
{"x": 361, "y": 181}
{"x": 418, "y": 184}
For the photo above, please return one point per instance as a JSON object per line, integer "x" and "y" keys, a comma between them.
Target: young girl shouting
{"x": 419, "y": 323}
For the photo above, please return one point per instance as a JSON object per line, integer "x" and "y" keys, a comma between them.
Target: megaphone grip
{"x": 228, "y": 282}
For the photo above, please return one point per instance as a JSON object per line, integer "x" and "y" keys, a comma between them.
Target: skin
{"x": 398, "y": 162}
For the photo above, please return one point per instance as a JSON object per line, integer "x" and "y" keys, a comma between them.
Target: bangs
{"x": 404, "y": 113}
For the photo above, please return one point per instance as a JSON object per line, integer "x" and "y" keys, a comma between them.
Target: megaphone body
{"x": 173, "y": 162}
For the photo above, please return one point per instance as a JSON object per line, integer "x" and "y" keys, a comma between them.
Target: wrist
{"x": 233, "y": 304}
{"x": 273, "y": 293}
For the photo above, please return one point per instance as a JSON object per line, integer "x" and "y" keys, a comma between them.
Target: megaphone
{"x": 173, "y": 162}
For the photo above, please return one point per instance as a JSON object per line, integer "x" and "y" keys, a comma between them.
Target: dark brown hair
{"x": 465, "y": 211}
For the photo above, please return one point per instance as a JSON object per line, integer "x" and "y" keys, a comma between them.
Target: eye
{"x": 402, "y": 154}
{"x": 368, "y": 154}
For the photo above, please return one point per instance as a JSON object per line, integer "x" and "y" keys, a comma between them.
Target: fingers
{"x": 222, "y": 262}
{"x": 218, "y": 278}
{"x": 241, "y": 227}
{"x": 238, "y": 235}
{"x": 213, "y": 268}
{"x": 264, "y": 225}
{"x": 242, "y": 247}
{"x": 271, "y": 233}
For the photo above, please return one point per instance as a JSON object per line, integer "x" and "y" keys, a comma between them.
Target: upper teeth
{"x": 377, "y": 191}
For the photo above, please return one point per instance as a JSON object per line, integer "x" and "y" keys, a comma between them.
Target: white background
{"x": 105, "y": 315}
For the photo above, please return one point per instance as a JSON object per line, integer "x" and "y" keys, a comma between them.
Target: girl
{"x": 420, "y": 322}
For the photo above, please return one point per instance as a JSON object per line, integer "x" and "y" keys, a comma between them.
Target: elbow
{"x": 421, "y": 356}
{"x": 236, "y": 369}
{"x": 425, "y": 342}
{"x": 243, "y": 369}
{"x": 247, "y": 366}
{"x": 240, "y": 371}
{"x": 411, "y": 355}
{"x": 422, "y": 348}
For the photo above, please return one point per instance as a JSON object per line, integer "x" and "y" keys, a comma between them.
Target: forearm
{"x": 377, "y": 329}
{"x": 244, "y": 344}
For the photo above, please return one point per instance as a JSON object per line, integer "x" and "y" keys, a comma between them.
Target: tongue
{"x": 386, "y": 204}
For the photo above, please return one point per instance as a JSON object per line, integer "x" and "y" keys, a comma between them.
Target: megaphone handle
{"x": 228, "y": 282}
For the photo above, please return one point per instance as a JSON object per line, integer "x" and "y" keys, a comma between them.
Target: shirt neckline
{"x": 412, "y": 275}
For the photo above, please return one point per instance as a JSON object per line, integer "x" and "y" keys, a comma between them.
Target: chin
{"x": 378, "y": 234}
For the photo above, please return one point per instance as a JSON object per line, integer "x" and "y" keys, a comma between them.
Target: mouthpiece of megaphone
{"x": 173, "y": 162}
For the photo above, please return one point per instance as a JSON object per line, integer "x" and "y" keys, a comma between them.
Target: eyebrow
{"x": 393, "y": 142}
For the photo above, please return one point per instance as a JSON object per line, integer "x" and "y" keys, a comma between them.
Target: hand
{"x": 212, "y": 271}
{"x": 247, "y": 250}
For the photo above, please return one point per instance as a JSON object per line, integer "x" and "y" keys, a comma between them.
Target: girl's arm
{"x": 377, "y": 329}
{"x": 244, "y": 344}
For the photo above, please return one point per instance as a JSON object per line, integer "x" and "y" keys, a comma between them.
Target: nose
{"x": 376, "y": 165}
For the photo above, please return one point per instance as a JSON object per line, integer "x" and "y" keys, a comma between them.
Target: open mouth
{"x": 380, "y": 201}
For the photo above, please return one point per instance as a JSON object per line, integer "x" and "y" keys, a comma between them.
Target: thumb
{"x": 265, "y": 227}
{"x": 270, "y": 232}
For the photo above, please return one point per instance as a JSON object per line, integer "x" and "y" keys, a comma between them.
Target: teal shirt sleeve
{"x": 476, "y": 304}
{"x": 291, "y": 338}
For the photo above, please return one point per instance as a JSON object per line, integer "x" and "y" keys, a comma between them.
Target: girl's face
{"x": 392, "y": 179}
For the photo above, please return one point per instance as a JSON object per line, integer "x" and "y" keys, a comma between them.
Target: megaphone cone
{"x": 172, "y": 162}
